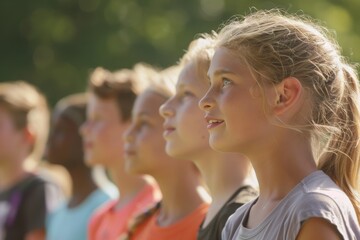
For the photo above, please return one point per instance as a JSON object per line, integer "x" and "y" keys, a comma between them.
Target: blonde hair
{"x": 275, "y": 46}
{"x": 200, "y": 51}
{"x": 163, "y": 83}
{"x": 28, "y": 108}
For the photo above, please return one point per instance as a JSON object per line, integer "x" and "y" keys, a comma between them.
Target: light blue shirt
{"x": 72, "y": 223}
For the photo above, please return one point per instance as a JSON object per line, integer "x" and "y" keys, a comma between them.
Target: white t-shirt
{"x": 315, "y": 196}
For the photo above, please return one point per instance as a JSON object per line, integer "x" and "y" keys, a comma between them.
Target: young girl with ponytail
{"x": 282, "y": 95}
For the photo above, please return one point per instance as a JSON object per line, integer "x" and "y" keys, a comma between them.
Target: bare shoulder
{"x": 318, "y": 228}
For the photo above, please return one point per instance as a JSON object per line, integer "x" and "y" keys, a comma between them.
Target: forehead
{"x": 225, "y": 61}
{"x": 100, "y": 105}
{"x": 148, "y": 103}
{"x": 5, "y": 113}
{"x": 191, "y": 74}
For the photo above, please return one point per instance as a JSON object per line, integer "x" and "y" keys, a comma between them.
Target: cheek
{"x": 235, "y": 103}
{"x": 8, "y": 139}
{"x": 191, "y": 121}
{"x": 152, "y": 141}
{"x": 102, "y": 133}
{"x": 148, "y": 137}
{"x": 91, "y": 132}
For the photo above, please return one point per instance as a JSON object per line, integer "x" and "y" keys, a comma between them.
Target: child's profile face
{"x": 65, "y": 144}
{"x": 185, "y": 127}
{"x": 144, "y": 144}
{"x": 102, "y": 133}
{"x": 11, "y": 138}
{"x": 235, "y": 115}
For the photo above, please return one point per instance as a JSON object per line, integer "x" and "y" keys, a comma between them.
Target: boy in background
{"x": 111, "y": 99}
{"x": 25, "y": 196}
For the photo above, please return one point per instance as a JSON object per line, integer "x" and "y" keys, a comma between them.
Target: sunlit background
{"x": 54, "y": 44}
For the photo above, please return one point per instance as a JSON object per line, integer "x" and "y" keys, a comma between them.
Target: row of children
{"x": 259, "y": 121}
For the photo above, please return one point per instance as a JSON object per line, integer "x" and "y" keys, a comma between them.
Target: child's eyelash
{"x": 225, "y": 81}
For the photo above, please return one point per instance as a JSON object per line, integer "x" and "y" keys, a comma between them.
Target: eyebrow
{"x": 219, "y": 72}
{"x": 143, "y": 115}
{"x": 180, "y": 86}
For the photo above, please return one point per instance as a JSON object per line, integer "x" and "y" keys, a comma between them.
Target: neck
{"x": 82, "y": 185}
{"x": 181, "y": 194}
{"x": 128, "y": 185}
{"x": 11, "y": 173}
{"x": 280, "y": 169}
{"x": 224, "y": 173}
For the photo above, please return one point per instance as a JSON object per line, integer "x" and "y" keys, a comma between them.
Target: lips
{"x": 168, "y": 130}
{"x": 213, "y": 122}
{"x": 129, "y": 152}
{"x": 87, "y": 145}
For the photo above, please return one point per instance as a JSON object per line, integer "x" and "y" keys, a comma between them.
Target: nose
{"x": 206, "y": 102}
{"x": 166, "y": 110}
{"x": 83, "y": 128}
{"x": 127, "y": 135}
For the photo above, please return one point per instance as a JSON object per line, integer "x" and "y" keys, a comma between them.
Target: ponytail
{"x": 342, "y": 160}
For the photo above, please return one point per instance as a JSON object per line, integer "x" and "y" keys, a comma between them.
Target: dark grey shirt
{"x": 213, "y": 230}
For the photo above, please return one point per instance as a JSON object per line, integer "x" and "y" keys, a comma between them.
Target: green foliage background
{"x": 54, "y": 44}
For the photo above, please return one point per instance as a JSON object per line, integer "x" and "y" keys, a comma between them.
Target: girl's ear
{"x": 288, "y": 93}
{"x": 29, "y": 135}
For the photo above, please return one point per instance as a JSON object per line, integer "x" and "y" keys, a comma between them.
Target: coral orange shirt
{"x": 109, "y": 223}
{"x": 186, "y": 228}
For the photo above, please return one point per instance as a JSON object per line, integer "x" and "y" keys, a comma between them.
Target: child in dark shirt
{"x": 25, "y": 196}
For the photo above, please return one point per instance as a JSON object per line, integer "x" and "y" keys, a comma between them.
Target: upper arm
{"x": 319, "y": 229}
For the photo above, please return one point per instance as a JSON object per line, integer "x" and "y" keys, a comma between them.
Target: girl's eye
{"x": 187, "y": 93}
{"x": 141, "y": 123}
{"x": 225, "y": 82}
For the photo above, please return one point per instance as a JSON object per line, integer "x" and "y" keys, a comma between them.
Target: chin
{"x": 170, "y": 150}
{"x": 135, "y": 172}
{"x": 89, "y": 162}
{"x": 175, "y": 153}
{"x": 221, "y": 146}
{"x": 131, "y": 168}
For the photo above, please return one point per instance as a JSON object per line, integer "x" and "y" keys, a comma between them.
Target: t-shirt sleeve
{"x": 234, "y": 222}
{"x": 227, "y": 230}
{"x": 322, "y": 206}
{"x": 34, "y": 208}
{"x": 226, "y": 213}
{"x": 39, "y": 201}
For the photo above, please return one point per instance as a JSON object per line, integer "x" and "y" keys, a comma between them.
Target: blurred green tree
{"x": 55, "y": 44}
